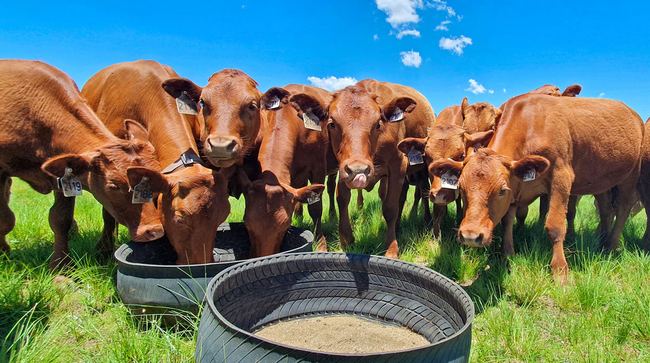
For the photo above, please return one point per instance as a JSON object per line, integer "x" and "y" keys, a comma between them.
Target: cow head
{"x": 230, "y": 108}
{"x": 191, "y": 206}
{"x": 269, "y": 209}
{"x": 104, "y": 174}
{"x": 487, "y": 183}
{"x": 356, "y": 121}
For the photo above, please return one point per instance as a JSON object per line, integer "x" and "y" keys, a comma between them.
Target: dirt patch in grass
{"x": 342, "y": 334}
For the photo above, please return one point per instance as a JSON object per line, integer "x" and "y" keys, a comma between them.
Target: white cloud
{"x": 443, "y": 26}
{"x": 601, "y": 95}
{"x": 455, "y": 44}
{"x": 411, "y": 58}
{"x": 442, "y": 6}
{"x": 400, "y": 12}
{"x": 504, "y": 90}
{"x": 375, "y": 37}
{"x": 332, "y": 83}
{"x": 475, "y": 87}
{"x": 491, "y": 91}
{"x": 402, "y": 33}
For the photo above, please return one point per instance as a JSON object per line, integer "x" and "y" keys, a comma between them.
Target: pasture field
{"x": 601, "y": 315}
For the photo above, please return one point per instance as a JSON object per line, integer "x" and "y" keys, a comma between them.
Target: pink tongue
{"x": 359, "y": 181}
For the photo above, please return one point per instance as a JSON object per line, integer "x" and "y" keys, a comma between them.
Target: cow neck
{"x": 279, "y": 141}
{"x": 171, "y": 136}
{"x": 80, "y": 131}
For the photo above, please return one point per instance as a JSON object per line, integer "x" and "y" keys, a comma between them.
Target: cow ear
{"x": 157, "y": 181}
{"x": 80, "y": 164}
{"x": 528, "y": 163}
{"x": 395, "y": 109}
{"x": 410, "y": 143}
{"x": 477, "y": 140}
{"x": 441, "y": 167}
{"x": 274, "y": 98}
{"x": 302, "y": 195}
{"x": 572, "y": 91}
{"x": 303, "y": 102}
{"x": 176, "y": 86}
{"x": 464, "y": 106}
{"x": 135, "y": 130}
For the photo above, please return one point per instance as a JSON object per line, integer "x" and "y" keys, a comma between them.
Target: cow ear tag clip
{"x": 70, "y": 184}
{"x": 185, "y": 105}
{"x": 142, "y": 193}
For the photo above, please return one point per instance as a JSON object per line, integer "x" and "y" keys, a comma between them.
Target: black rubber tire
{"x": 167, "y": 288}
{"x": 256, "y": 293}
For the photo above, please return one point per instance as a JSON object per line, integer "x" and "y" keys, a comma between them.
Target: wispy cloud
{"x": 375, "y": 37}
{"x": 601, "y": 95}
{"x": 332, "y": 83}
{"x": 443, "y": 26}
{"x": 400, "y": 12}
{"x": 455, "y": 44}
{"x": 441, "y": 5}
{"x": 490, "y": 91}
{"x": 411, "y": 58}
{"x": 475, "y": 87}
{"x": 403, "y": 33}
{"x": 504, "y": 90}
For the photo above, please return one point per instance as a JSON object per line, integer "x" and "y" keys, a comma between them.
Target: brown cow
{"x": 229, "y": 111}
{"x": 551, "y": 90}
{"x": 458, "y": 131}
{"x": 48, "y": 128}
{"x": 290, "y": 155}
{"x": 554, "y": 145}
{"x": 366, "y": 121}
{"x": 194, "y": 199}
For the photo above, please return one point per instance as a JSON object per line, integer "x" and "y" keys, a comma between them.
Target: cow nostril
{"x": 231, "y": 146}
{"x": 367, "y": 171}
{"x": 347, "y": 170}
{"x": 479, "y": 239}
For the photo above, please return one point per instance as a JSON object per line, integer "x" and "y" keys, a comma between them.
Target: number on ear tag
{"x": 275, "y": 103}
{"x": 449, "y": 180}
{"x": 398, "y": 115}
{"x": 415, "y": 157}
{"x": 142, "y": 192}
{"x": 311, "y": 121}
{"x": 313, "y": 198}
{"x": 185, "y": 105}
{"x": 530, "y": 175}
{"x": 70, "y": 184}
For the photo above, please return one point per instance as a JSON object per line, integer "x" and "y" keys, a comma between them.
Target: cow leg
{"x": 571, "y": 216}
{"x": 106, "y": 244}
{"x": 556, "y": 220}
{"x": 507, "y": 223}
{"x": 391, "y": 208}
{"x": 343, "y": 194}
{"x": 316, "y": 213}
{"x": 624, "y": 201}
{"x": 7, "y": 217}
{"x": 61, "y": 217}
{"x": 424, "y": 193}
{"x": 360, "y": 198}
{"x": 521, "y": 213}
{"x": 331, "y": 190}
{"x": 643, "y": 187}
{"x": 605, "y": 207}
{"x": 460, "y": 213}
{"x": 439, "y": 212}
{"x": 402, "y": 200}
{"x": 416, "y": 200}
{"x": 543, "y": 208}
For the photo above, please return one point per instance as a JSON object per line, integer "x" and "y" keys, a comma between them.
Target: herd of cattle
{"x": 162, "y": 155}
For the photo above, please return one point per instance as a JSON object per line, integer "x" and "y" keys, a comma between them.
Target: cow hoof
{"x": 346, "y": 242}
{"x": 322, "y": 245}
{"x": 391, "y": 254}
{"x": 60, "y": 263}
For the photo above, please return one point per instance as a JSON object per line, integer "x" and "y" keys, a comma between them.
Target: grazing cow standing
{"x": 549, "y": 145}
{"x": 194, "y": 199}
{"x": 458, "y": 131}
{"x": 290, "y": 156}
{"x": 366, "y": 121}
{"x": 48, "y": 131}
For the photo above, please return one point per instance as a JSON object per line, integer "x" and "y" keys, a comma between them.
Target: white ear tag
{"x": 142, "y": 192}
{"x": 415, "y": 157}
{"x": 449, "y": 180}
{"x": 530, "y": 175}
{"x": 311, "y": 121}
{"x": 275, "y": 103}
{"x": 313, "y": 198}
{"x": 185, "y": 105}
{"x": 70, "y": 184}
{"x": 398, "y": 115}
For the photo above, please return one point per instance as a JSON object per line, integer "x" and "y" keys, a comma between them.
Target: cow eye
{"x": 252, "y": 107}
{"x": 378, "y": 127}
{"x": 112, "y": 187}
{"x": 331, "y": 125}
{"x": 201, "y": 103}
{"x": 462, "y": 157}
{"x": 503, "y": 191}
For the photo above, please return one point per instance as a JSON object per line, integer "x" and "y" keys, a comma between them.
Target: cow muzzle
{"x": 356, "y": 175}
{"x": 146, "y": 233}
{"x": 474, "y": 238}
{"x": 220, "y": 149}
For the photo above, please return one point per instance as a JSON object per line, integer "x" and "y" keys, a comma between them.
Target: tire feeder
{"x": 259, "y": 292}
{"x": 150, "y": 283}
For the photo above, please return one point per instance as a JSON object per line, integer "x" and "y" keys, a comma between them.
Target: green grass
{"x": 602, "y": 314}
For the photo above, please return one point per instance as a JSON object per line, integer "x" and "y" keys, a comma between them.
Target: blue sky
{"x": 511, "y": 45}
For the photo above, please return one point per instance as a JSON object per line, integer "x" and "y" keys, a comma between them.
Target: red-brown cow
{"x": 554, "y": 145}
{"x": 229, "y": 111}
{"x": 48, "y": 129}
{"x": 458, "y": 131}
{"x": 366, "y": 121}
{"x": 291, "y": 155}
{"x": 194, "y": 199}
